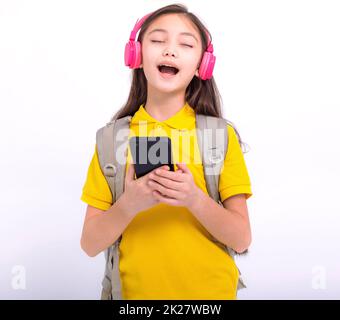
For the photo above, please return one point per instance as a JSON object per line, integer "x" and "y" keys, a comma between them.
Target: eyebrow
{"x": 182, "y": 33}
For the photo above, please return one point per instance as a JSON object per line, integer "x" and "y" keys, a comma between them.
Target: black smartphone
{"x": 149, "y": 153}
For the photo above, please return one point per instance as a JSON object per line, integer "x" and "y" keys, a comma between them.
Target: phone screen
{"x": 149, "y": 153}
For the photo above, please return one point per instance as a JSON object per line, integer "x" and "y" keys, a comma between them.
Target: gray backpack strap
{"x": 112, "y": 142}
{"x": 212, "y": 139}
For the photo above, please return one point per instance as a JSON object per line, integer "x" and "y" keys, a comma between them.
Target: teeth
{"x": 166, "y": 65}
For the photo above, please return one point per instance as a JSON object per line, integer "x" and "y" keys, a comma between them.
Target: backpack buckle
{"x": 110, "y": 170}
{"x": 215, "y": 155}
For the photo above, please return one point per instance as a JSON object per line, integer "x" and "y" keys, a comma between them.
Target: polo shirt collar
{"x": 183, "y": 119}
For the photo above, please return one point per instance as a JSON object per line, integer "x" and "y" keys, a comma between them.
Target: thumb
{"x": 183, "y": 167}
{"x": 130, "y": 176}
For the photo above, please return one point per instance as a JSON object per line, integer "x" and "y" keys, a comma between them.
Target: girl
{"x": 167, "y": 218}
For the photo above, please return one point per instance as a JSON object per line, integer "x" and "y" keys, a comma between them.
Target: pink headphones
{"x": 133, "y": 53}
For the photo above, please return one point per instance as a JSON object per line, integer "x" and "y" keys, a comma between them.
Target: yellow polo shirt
{"x": 165, "y": 253}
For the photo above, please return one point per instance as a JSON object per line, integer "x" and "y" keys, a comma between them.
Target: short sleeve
{"x": 234, "y": 177}
{"x": 96, "y": 191}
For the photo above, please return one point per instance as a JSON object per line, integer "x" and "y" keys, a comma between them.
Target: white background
{"x": 62, "y": 76}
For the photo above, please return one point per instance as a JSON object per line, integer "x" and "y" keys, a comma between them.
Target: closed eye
{"x": 187, "y": 45}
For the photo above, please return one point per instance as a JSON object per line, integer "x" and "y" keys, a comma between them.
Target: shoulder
{"x": 231, "y": 130}
{"x": 233, "y": 135}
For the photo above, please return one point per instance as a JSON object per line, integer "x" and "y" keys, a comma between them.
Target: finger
{"x": 152, "y": 172}
{"x": 168, "y": 183}
{"x": 165, "y": 167}
{"x": 161, "y": 198}
{"x": 173, "y": 175}
{"x": 163, "y": 190}
{"x": 183, "y": 166}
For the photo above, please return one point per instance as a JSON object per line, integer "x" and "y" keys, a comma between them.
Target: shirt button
{"x": 159, "y": 126}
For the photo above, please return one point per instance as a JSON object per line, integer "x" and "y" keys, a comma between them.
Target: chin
{"x": 169, "y": 89}
{"x": 166, "y": 87}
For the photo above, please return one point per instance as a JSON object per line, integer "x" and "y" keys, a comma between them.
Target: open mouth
{"x": 167, "y": 70}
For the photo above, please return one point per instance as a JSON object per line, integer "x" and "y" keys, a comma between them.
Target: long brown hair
{"x": 202, "y": 95}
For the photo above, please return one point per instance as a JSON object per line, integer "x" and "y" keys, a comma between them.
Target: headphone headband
{"x": 137, "y": 26}
{"x": 140, "y": 22}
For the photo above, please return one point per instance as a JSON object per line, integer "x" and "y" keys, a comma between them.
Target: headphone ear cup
{"x": 207, "y": 66}
{"x": 127, "y": 54}
{"x": 132, "y": 54}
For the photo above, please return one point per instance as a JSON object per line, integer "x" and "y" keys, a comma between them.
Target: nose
{"x": 168, "y": 52}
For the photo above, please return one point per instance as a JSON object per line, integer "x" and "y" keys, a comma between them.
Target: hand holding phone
{"x": 137, "y": 195}
{"x": 149, "y": 153}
